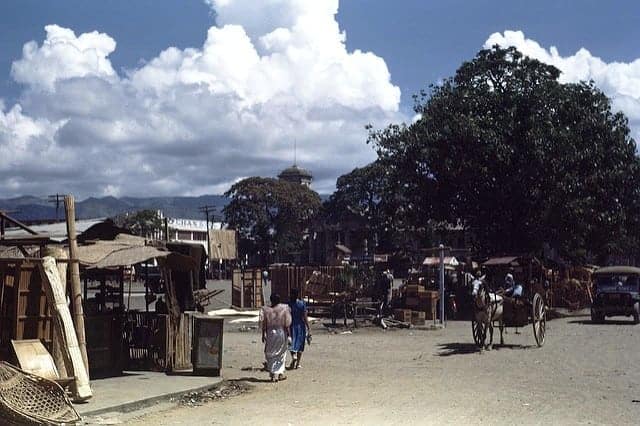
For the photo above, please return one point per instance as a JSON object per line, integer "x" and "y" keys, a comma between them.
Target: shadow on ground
{"x": 251, "y": 380}
{"x": 450, "y": 349}
{"x": 252, "y": 368}
{"x": 606, "y": 322}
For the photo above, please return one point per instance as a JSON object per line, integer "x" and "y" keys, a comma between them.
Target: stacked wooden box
{"x": 403, "y": 315}
{"x": 414, "y": 291}
{"x": 429, "y": 304}
{"x": 422, "y": 302}
{"x": 417, "y": 317}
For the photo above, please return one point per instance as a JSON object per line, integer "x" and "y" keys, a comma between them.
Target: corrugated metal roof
{"x": 502, "y": 261}
{"x": 55, "y": 231}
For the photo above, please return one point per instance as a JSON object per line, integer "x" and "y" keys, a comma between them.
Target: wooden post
{"x": 58, "y": 351}
{"x": 242, "y": 290}
{"x": 58, "y": 299}
{"x": 166, "y": 230}
{"x": 76, "y": 292}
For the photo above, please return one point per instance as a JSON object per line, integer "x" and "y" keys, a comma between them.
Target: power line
{"x": 206, "y": 210}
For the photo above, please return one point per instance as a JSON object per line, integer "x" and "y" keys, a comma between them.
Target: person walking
{"x": 300, "y": 329}
{"x": 276, "y": 320}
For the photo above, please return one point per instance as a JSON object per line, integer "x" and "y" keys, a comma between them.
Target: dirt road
{"x": 585, "y": 374}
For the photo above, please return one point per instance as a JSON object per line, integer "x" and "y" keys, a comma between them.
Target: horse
{"x": 488, "y": 308}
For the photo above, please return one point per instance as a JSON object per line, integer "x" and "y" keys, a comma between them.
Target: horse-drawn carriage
{"x": 493, "y": 306}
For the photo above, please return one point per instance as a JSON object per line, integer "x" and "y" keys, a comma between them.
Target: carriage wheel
{"x": 539, "y": 316}
{"x": 479, "y": 332}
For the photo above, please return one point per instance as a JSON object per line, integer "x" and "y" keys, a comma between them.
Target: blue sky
{"x": 423, "y": 41}
{"x": 419, "y": 42}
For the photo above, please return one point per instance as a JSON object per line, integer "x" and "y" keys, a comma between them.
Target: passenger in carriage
{"x": 512, "y": 288}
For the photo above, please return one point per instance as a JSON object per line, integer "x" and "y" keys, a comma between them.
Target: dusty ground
{"x": 585, "y": 374}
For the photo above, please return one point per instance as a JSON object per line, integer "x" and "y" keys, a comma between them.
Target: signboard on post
{"x": 206, "y": 353}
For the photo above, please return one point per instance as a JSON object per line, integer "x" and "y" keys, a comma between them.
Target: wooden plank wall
{"x": 24, "y": 310}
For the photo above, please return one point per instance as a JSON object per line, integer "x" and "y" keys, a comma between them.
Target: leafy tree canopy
{"x": 143, "y": 223}
{"x": 271, "y": 215}
{"x": 519, "y": 158}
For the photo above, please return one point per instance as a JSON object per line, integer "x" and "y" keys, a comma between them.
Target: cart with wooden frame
{"x": 517, "y": 312}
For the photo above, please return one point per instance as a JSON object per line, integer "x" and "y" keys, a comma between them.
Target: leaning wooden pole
{"x": 55, "y": 294}
{"x": 76, "y": 291}
{"x": 58, "y": 352}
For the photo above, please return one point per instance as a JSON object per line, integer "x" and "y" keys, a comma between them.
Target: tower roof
{"x": 295, "y": 172}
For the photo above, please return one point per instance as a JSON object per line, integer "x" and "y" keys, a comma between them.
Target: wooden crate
{"x": 412, "y": 303}
{"x": 403, "y": 315}
{"x": 415, "y": 290}
{"x": 417, "y": 317}
{"x": 429, "y": 304}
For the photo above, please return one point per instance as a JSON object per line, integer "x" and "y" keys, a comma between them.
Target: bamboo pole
{"x": 76, "y": 292}
{"x": 54, "y": 288}
{"x": 58, "y": 351}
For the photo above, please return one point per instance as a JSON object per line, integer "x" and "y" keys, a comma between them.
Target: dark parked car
{"x": 617, "y": 292}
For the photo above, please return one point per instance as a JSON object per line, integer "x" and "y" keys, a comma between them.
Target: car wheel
{"x": 636, "y": 313}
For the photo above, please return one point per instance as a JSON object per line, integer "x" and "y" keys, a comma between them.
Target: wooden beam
{"x": 23, "y": 251}
{"x": 56, "y": 295}
{"x": 17, "y": 223}
{"x": 76, "y": 290}
{"x": 32, "y": 240}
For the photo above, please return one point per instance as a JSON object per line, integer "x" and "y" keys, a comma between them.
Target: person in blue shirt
{"x": 300, "y": 329}
{"x": 512, "y": 288}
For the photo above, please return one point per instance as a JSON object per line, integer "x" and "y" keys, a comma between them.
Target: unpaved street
{"x": 585, "y": 374}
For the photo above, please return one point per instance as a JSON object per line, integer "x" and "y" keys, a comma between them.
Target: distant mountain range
{"x": 29, "y": 208}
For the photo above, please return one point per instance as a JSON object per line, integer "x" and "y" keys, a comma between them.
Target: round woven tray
{"x": 27, "y": 399}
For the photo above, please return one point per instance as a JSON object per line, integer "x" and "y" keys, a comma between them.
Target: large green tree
{"x": 271, "y": 215}
{"x": 519, "y": 158}
{"x": 360, "y": 198}
{"x": 368, "y": 199}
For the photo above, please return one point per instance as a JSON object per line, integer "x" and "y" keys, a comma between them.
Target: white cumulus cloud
{"x": 620, "y": 81}
{"x": 191, "y": 121}
{"x": 63, "y": 56}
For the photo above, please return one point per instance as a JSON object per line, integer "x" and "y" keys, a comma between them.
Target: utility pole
{"x": 58, "y": 200}
{"x": 442, "y": 249}
{"x": 206, "y": 209}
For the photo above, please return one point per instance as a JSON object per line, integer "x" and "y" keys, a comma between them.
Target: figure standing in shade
{"x": 300, "y": 329}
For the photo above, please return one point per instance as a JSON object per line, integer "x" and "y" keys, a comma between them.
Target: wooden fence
{"x": 246, "y": 288}
{"x": 247, "y": 284}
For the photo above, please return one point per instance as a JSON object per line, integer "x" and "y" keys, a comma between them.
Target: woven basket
{"x": 27, "y": 399}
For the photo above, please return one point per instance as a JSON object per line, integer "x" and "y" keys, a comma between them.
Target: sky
{"x": 185, "y": 97}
